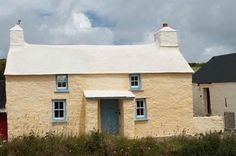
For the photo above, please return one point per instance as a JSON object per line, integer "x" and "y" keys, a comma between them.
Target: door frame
{"x": 207, "y": 101}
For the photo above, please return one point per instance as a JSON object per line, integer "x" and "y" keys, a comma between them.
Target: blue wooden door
{"x": 110, "y": 116}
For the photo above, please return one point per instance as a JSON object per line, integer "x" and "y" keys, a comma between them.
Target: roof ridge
{"x": 91, "y": 45}
{"x": 224, "y": 55}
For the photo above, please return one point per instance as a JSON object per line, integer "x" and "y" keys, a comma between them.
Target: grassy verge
{"x": 100, "y": 144}
{"x": 2, "y": 68}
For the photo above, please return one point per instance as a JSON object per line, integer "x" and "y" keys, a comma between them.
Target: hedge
{"x": 98, "y": 144}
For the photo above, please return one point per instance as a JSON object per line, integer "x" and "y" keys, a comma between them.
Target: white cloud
{"x": 78, "y": 30}
{"x": 78, "y": 22}
{"x": 81, "y": 20}
{"x": 200, "y": 24}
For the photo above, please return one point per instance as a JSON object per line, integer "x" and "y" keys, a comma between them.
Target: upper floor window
{"x": 141, "y": 111}
{"x": 135, "y": 82}
{"x": 58, "y": 110}
{"x": 62, "y": 82}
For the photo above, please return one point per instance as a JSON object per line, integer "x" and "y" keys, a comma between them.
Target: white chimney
{"x": 16, "y": 35}
{"x": 166, "y": 37}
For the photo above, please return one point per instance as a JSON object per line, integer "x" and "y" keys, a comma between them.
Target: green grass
{"x": 100, "y": 144}
{"x": 196, "y": 66}
{"x": 2, "y": 68}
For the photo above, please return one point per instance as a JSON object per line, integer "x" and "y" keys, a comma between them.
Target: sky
{"x": 205, "y": 27}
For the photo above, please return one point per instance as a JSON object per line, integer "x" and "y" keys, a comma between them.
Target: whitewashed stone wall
{"x": 222, "y": 97}
{"x": 208, "y": 124}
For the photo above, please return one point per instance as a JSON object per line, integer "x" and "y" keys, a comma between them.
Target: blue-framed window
{"x": 62, "y": 82}
{"x": 58, "y": 110}
{"x": 141, "y": 109}
{"x": 135, "y": 81}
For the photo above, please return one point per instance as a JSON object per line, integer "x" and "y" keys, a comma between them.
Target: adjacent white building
{"x": 214, "y": 89}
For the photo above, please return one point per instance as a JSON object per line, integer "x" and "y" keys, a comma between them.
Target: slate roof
{"x": 219, "y": 69}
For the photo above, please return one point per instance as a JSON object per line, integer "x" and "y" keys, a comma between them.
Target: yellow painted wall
{"x": 91, "y": 115}
{"x": 169, "y": 105}
{"x": 168, "y": 97}
{"x": 128, "y": 118}
{"x": 29, "y": 106}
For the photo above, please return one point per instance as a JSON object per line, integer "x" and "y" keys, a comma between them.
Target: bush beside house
{"x": 2, "y": 68}
{"x": 196, "y": 66}
{"x": 100, "y": 144}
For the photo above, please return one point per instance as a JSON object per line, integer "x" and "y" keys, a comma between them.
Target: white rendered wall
{"x": 223, "y": 98}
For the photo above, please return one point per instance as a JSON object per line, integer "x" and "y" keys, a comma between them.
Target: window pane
{"x": 138, "y": 112}
{"x": 56, "y": 105}
{"x": 64, "y": 84}
{"x": 132, "y": 84}
{"x": 138, "y": 104}
{"x": 59, "y": 84}
{"x": 61, "y": 105}
{"x": 56, "y": 114}
{"x": 61, "y": 78}
{"x": 136, "y": 78}
{"x": 141, "y": 112}
{"x": 141, "y": 104}
{"x": 135, "y": 83}
{"x": 132, "y": 78}
{"x": 61, "y": 113}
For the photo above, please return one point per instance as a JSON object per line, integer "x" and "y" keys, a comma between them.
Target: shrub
{"x": 101, "y": 145}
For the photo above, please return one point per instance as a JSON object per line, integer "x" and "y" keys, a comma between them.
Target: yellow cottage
{"x": 129, "y": 90}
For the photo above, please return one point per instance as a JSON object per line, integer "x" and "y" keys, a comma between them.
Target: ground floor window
{"x": 58, "y": 110}
{"x": 141, "y": 111}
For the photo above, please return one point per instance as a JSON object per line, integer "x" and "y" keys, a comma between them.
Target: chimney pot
{"x": 18, "y": 22}
{"x": 165, "y": 24}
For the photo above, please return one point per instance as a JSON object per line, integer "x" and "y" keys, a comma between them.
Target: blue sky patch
{"x": 98, "y": 21}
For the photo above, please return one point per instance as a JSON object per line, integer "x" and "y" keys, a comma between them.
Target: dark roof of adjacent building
{"x": 219, "y": 69}
{"x": 2, "y": 94}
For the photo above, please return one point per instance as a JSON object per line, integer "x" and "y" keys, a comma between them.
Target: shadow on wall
{"x": 2, "y": 93}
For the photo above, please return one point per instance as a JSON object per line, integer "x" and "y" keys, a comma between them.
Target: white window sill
{"x": 59, "y": 121}
{"x": 61, "y": 91}
{"x": 136, "y": 89}
{"x": 141, "y": 119}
